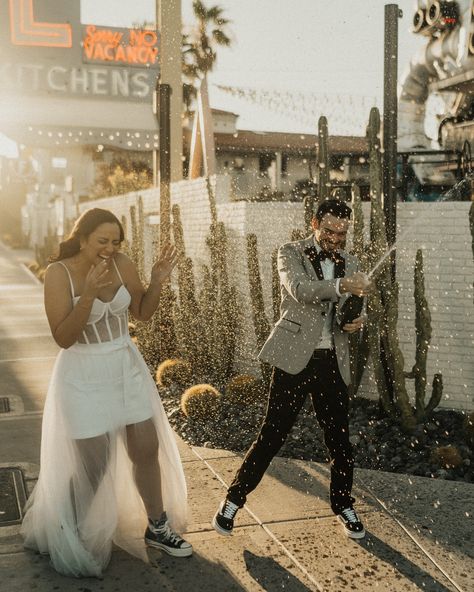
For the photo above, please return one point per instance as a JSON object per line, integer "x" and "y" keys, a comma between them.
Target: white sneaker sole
{"x": 350, "y": 533}
{"x": 219, "y": 529}
{"x": 187, "y": 552}
{"x": 355, "y": 535}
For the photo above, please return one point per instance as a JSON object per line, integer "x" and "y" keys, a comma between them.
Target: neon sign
{"x": 26, "y": 31}
{"x": 120, "y": 46}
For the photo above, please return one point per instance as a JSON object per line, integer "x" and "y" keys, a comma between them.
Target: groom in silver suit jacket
{"x": 309, "y": 351}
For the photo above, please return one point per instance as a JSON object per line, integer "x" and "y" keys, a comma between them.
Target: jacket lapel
{"x": 339, "y": 267}
{"x": 312, "y": 254}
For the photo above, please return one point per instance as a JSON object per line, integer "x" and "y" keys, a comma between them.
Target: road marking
{"x": 41, "y": 359}
{"x": 24, "y": 415}
{"x": 31, "y": 274}
{"x": 24, "y": 336}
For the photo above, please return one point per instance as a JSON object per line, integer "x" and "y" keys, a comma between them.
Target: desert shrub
{"x": 200, "y": 402}
{"x": 446, "y": 457}
{"x": 174, "y": 372}
{"x": 244, "y": 389}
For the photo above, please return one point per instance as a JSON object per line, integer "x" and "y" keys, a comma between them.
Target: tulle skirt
{"x": 86, "y": 497}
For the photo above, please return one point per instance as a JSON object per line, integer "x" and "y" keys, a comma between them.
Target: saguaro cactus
{"x": 260, "y": 321}
{"x": 382, "y": 335}
{"x": 225, "y": 313}
{"x": 358, "y": 342}
{"x": 157, "y": 338}
{"x": 136, "y": 247}
{"x": 276, "y": 289}
{"x": 309, "y": 209}
{"x": 379, "y": 337}
{"x": 190, "y": 329}
{"x": 324, "y": 187}
{"x": 423, "y": 339}
{"x": 358, "y": 227}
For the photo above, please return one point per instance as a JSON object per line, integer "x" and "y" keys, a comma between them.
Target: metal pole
{"x": 166, "y": 337}
{"x": 155, "y": 154}
{"x": 390, "y": 119}
{"x": 164, "y": 94}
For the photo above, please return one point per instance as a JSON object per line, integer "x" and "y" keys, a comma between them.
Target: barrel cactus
{"x": 174, "y": 372}
{"x": 200, "y": 402}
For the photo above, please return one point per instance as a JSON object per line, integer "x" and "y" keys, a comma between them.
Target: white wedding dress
{"x": 86, "y": 497}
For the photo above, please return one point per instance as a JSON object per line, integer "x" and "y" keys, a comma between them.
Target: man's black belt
{"x": 323, "y": 353}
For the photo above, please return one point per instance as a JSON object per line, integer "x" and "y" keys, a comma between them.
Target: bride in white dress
{"x": 110, "y": 468}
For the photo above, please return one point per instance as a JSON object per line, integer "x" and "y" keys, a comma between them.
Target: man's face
{"x": 331, "y": 232}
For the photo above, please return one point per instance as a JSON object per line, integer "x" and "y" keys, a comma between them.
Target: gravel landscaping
{"x": 437, "y": 449}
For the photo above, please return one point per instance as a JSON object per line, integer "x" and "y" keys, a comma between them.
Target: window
{"x": 265, "y": 162}
{"x": 58, "y": 162}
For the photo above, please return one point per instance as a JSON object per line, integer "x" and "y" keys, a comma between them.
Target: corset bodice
{"x": 107, "y": 320}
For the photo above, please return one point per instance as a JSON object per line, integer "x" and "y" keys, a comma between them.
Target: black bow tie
{"x": 332, "y": 255}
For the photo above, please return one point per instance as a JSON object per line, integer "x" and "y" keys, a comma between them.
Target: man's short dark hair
{"x": 333, "y": 206}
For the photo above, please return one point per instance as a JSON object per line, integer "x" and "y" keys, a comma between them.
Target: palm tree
{"x": 200, "y": 46}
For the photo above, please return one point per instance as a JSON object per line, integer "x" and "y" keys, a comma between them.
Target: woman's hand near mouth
{"x": 96, "y": 279}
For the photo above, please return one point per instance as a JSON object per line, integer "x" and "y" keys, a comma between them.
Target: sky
{"x": 316, "y": 57}
{"x": 331, "y": 49}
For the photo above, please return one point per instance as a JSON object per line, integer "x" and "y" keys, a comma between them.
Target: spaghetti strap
{"x": 69, "y": 276}
{"x": 118, "y": 272}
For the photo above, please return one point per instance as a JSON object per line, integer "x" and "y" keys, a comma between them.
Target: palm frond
{"x": 199, "y": 10}
{"x": 214, "y": 13}
{"x": 220, "y": 37}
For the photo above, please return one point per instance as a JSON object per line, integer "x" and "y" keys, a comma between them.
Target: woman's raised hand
{"x": 165, "y": 264}
{"x": 96, "y": 279}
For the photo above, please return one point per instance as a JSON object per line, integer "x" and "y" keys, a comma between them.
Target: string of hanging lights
{"x": 347, "y": 114}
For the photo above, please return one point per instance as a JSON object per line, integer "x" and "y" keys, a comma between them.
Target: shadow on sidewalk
{"x": 125, "y": 573}
{"x": 195, "y": 573}
{"x": 271, "y": 576}
{"x": 416, "y": 574}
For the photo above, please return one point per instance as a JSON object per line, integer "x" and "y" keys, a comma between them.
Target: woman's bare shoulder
{"x": 57, "y": 271}
{"x": 124, "y": 262}
{"x": 55, "y": 268}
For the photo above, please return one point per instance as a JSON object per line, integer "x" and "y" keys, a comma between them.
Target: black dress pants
{"x": 320, "y": 379}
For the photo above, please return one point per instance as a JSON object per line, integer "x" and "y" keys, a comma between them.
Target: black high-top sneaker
{"x": 160, "y": 535}
{"x": 223, "y": 521}
{"x": 353, "y": 527}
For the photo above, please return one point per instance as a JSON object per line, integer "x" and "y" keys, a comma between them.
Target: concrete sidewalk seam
{"x": 413, "y": 539}
{"x": 26, "y": 336}
{"x": 26, "y": 415}
{"x": 287, "y": 552}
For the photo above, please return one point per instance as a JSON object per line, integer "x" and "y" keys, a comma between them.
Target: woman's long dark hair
{"x": 84, "y": 226}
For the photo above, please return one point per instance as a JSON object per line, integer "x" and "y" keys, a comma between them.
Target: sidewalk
{"x": 420, "y": 532}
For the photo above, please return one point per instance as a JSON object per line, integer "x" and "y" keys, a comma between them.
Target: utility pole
{"x": 390, "y": 124}
{"x": 168, "y": 18}
{"x": 164, "y": 102}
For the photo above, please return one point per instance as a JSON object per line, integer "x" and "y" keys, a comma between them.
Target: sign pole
{"x": 390, "y": 120}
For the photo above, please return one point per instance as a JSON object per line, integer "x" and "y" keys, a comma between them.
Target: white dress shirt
{"x": 327, "y": 338}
